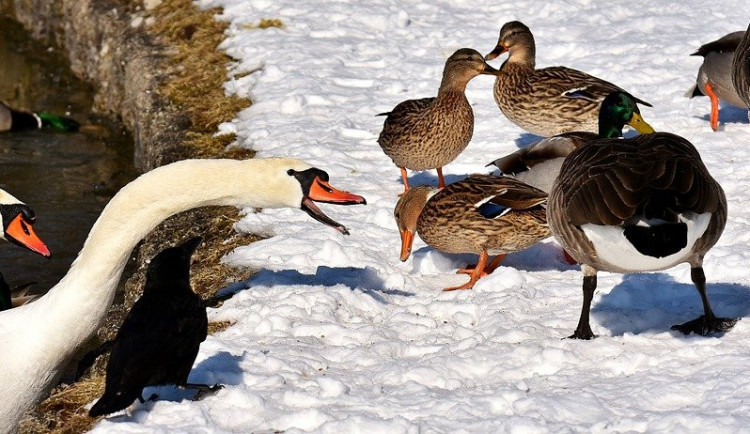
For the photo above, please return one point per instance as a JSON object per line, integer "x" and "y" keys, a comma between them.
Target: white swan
{"x": 17, "y": 221}
{"x": 38, "y": 338}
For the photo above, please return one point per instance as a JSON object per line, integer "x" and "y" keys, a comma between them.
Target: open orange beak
{"x": 322, "y": 191}
{"x": 500, "y": 49}
{"x": 407, "y": 239}
{"x": 22, "y": 233}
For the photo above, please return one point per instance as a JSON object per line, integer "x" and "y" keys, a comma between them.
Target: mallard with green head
{"x": 546, "y": 101}
{"x": 428, "y": 133}
{"x": 640, "y": 204}
{"x": 482, "y": 214}
{"x": 16, "y": 120}
{"x": 715, "y": 74}
{"x": 539, "y": 164}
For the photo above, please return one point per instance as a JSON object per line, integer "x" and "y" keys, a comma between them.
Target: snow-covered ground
{"x": 335, "y": 334}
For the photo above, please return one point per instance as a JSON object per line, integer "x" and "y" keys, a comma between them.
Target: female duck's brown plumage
{"x": 741, "y": 69}
{"x": 429, "y": 133}
{"x": 545, "y": 101}
{"x": 715, "y": 74}
{"x": 641, "y": 204}
{"x": 481, "y": 214}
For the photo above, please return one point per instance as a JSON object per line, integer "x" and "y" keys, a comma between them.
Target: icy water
{"x": 66, "y": 178}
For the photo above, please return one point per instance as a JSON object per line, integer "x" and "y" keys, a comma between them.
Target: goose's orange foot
{"x": 714, "y": 107}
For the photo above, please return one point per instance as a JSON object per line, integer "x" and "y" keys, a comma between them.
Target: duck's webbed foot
{"x": 704, "y": 326}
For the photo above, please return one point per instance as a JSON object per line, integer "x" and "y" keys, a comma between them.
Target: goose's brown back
{"x": 614, "y": 181}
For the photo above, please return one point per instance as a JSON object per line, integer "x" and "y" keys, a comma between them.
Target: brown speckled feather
{"x": 452, "y": 222}
{"x": 428, "y": 133}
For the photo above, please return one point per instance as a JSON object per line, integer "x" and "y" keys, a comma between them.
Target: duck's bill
{"x": 490, "y": 70}
{"x": 21, "y": 233}
{"x": 496, "y": 52}
{"x": 640, "y": 125}
{"x": 407, "y": 239}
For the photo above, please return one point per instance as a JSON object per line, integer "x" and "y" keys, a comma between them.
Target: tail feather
{"x": 58, "y": 122}
{"x": 112, "y": 402}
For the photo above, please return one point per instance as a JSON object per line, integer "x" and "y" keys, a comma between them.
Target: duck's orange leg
{"x": 714, "y": 107}
{"x": 405, "y": 179}
{"x": 441, "y": 180}
{"x": 476, "y": 274}
{"x": 488, "y": 269}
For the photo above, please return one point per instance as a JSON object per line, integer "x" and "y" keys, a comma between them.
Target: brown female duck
{"x": 715, "y": 74}
{"x": 482, "y": 214}
{"x": 545, "y": 101}
{"x": 428, "y": 133}
{"x": 641, "y": 204}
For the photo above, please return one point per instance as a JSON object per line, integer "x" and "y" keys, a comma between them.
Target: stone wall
{"x": 107, "y": 49}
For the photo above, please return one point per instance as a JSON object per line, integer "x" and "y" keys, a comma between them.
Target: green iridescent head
{"x": 617, "y": 110}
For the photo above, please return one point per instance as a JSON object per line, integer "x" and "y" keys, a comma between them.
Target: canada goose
{"x": 715, "y": 74}
{"x": 38, "y": 338}
{"x": 640, "y": 204}
{"x": 741, "y": 69}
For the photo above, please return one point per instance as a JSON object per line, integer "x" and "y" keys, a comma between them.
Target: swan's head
{"x": 315, "y": 188}
{"x": 17, "y": 222}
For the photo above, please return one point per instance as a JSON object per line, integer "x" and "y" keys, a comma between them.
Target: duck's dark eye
{"x": 290, "y": 172}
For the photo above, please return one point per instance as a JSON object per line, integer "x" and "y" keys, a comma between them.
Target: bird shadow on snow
{"x": 542, "y": 256}
{"x": 526, "y": 139}
{"x": 429, "y": 177}
{"x": 364, "y": 279}
{"x": 653, "y": 302}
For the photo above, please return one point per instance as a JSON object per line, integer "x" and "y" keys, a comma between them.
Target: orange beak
{"x": 407, "y": 239}
{"x": 322, "y": 191}
{"x": 21, "y": 233}
{"x": 500, "y": 49}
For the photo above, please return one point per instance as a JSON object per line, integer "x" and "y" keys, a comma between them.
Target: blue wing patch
{"x": 580, "y": 93}
{"x": 492, "y": 210}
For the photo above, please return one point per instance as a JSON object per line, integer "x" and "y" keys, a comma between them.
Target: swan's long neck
{"x": 79, "y": 302}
